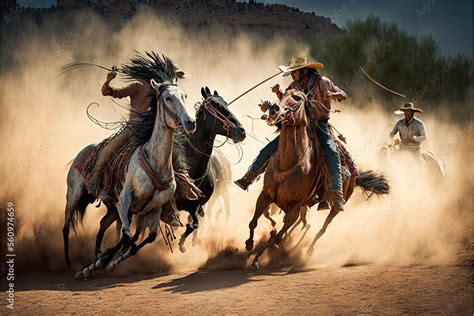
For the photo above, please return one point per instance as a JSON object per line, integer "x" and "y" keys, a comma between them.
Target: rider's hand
{"x": 396, "y": 142}
{"x": 111, "y": 75}
{"x": 264, "y": 106}
{"x": 276, "y": 88}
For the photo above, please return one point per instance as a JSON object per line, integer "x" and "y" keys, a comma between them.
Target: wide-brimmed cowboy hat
{"x": 408, "y": 106}
{"x": 299, "y": 63}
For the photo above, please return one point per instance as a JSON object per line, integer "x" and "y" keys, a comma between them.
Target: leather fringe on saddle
{"x": 111, "y": 180}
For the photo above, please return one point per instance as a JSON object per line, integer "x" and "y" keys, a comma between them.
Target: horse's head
{"x": 217, "y": 118}
{"x": 171, "y": 106}
{"x": 289, "y": 111}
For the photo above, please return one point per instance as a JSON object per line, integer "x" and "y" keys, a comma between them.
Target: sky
{"x": 449, "y": 21}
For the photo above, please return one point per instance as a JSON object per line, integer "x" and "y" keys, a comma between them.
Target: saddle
{"x": 348, "y": 169}
{"x": 113, "y": 175}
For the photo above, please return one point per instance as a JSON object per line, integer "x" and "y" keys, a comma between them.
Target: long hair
{"x": 150, "y": 66}
{"x": 161, "y": 69}
{"x": 144, "y": 68}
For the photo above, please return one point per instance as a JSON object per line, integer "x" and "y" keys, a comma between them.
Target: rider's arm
{"x": 422, "y": 132}
{"x": 120, "y": 92}
{"x": 117, "y": 92}
{"x": 330, "y": 90}
{"x": 105, "y": 87}
{"x": 394, "y": 131}
{"x": 277, "y": 91}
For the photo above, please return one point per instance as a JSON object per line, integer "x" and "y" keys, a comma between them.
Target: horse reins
{"x": 227, "y": 123}
{"x": 284, "y": 118}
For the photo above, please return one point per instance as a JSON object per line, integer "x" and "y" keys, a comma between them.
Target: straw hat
{"x": 408, "y": 106}
{"x": 299, "y": 63}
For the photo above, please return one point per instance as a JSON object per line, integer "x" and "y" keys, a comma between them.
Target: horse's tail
{"x": 372, "y": 182}
{"x": 76, "y": 202}
{"x": 74, "y": 217}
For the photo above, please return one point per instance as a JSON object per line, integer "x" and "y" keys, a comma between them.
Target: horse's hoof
{"x": 182, "y": 248}
{"x": 254, "y": 266}
{"x": 86, "y": 273}
{"x": 110, "y": 267}
{"x": 249, "y": 245}
{"x": 79, "y": 275}
{"x": 98, "y": 264}
{"x": 196, "y": 242}
{"x": 310, "y": 252}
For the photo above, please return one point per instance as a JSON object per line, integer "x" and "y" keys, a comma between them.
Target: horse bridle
{"x": 225, "y": 120}
{"x": 288, "y": 110}
{"x": 160, "y": 91}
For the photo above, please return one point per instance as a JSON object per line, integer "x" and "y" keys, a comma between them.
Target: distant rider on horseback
{"x": 411, "y": 129}
{"x": 321, "y": 91}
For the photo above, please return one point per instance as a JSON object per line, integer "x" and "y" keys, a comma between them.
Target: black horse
{"x": 212, "y": 118}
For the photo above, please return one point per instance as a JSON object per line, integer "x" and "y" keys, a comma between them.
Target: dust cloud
{"x": 43, "y": 127}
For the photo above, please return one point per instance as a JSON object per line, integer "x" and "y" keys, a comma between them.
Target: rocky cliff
{"x": 263, "y": 20}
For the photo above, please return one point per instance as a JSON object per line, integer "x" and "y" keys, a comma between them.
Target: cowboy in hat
{"x": 411, "y": 129}
{"x": 321, "y": 91}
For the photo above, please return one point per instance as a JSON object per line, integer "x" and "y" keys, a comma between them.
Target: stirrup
{"x": 323, "y": 205}
{"x": 243, "y": 184}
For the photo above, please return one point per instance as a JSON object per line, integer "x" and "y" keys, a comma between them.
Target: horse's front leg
{"x": 100, "y": 262}
{"x": 290, "y": 218}
{"x": 125, "y": 201}
{"x": 190, "y": 227}
{"x": 153, "y": 220}
{"x": 267, "y": 215}
{"x": 262, "y": 204}
{"x": 196, "y": 231}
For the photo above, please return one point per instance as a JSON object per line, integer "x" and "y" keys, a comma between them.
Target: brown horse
{"x": 292, "y": 173}
{"x": 291, "y": 189}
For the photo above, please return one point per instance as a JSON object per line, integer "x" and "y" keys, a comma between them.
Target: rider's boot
{"x": 170, "y": 216}
{"x": 185, "y": 186}
{"x": 246, "y": 180}
{"x": 338, "y": 200}
{"x": 323, "y": 205}
{"x": 105, "y": 155}
{"x": 92, "y": 185}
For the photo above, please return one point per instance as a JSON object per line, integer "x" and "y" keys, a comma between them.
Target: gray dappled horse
{"x": 143, "y": 193}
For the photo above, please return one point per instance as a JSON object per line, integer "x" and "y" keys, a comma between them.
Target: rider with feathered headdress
{"x": 140, "y": 70}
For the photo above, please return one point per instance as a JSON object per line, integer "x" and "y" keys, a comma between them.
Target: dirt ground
{"x": 350, "y": 289}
